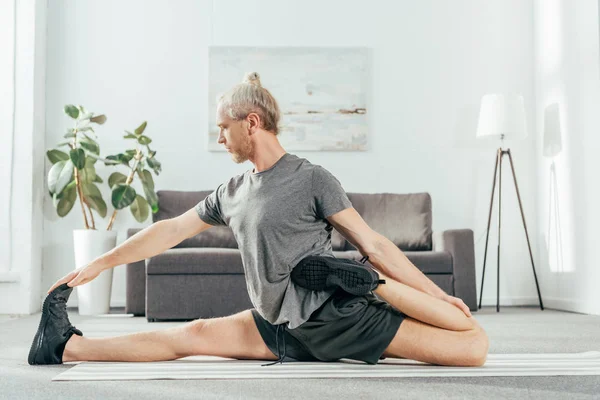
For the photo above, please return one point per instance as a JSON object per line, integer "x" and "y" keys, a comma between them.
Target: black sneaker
{"x": 54, "y": 330}
{"x": 320, "y": 273}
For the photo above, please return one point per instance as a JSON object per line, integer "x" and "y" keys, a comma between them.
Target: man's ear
{"x": 253, "y": 122}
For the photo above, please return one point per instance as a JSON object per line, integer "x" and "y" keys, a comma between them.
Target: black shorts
{"x": 345, "y": 326}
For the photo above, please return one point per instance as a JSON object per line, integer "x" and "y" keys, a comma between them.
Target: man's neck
{"x": 266, "y": 154}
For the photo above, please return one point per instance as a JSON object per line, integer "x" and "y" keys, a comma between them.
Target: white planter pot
{"x": 94, "y": 296}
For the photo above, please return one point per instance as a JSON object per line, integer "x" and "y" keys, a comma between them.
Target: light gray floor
{"x": 513, "y": 330}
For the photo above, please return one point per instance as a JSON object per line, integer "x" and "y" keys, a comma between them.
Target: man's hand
{"x": 79, "y": 276}
{"x": 457, "y": 302}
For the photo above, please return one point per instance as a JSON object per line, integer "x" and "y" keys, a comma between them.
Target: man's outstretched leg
{"x": 235, "y": 336}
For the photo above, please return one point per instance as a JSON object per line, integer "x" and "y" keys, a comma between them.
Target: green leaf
{"x": 140, "y": 129}
{"x": 143, "y": 140}
{"x": 89, "y": 189}
{"x": 115, "y": 178}
{"x": 96, "y": 203}
{"x": 148, "y": 185}
{"x": 68, "y": 135}
{"x": 56, "y": 155}
{"x": 88, "y": 173}
{"x": 64, "y": 143}
{"x": 154, "y": 164}
{"x": 90, "y": 145}
{"x": 87, "y": 136}
{"x": 132, "y": 153}
{"x": 98, "y": 179}
{"x": 152, "y": 200}
{"x": 57, "y": 196}
{"x": 98, "y": 119}
{"x": 126, "y": 157}
{"x": 93, "y": 197}
{"x": 59, "y": 176}
{"x": 90, "y": 161}
{"x": 72, "y": 111}
{"x": 140, "y": 166}
{"x": 122, "y": 196}
{"x": 65, "y": 204}
{"x": 139, "y": 209}
{"x": 151, "y": 153}
{"x": 78, "y": 158}
{"x": 120, "y": 158}
{"x": 111, "y": 160}
{"x": 130, "y": 136}
{"x": 146, "y": 178}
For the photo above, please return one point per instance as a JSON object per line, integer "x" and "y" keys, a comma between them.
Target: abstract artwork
{"x": 321, "y": 92}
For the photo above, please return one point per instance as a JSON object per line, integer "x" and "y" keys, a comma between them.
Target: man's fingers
{"x": 67, "y": 278}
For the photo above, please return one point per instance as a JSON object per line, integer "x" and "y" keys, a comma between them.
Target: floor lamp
{"x": 503, "y": 116}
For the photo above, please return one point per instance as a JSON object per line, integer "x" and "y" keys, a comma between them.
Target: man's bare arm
{"x": 154, "y": 239}
{"x": 148, "y": 242}
{"x": 384, "y": 255}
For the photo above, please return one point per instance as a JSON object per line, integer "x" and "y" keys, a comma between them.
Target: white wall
{"x": 22, "y": 235}
{"x": 431, "y": 63}
{"x": 567, "y": 68}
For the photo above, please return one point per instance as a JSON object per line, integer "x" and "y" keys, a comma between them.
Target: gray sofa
{"x": 203, "y": 276}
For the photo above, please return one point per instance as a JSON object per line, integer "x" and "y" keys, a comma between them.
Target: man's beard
{"x": 244, "y": 153}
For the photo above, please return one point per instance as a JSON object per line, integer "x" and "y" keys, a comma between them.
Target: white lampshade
{"x": 502, "y": 114}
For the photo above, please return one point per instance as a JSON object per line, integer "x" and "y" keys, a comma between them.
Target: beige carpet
{"x": 201, "y": 367}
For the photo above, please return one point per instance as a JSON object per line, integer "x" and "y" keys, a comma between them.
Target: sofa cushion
{"x": 428, "y": 262}
{"x": 173, "y": 203}
{"x": 405, "y": 219}
{"x": 196, "y": 261}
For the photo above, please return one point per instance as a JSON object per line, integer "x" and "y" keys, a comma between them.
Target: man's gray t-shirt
{"x": 278, "y": 217}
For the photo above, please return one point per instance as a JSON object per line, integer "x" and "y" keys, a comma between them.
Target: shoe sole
{"x": 37, "y": 339}
{"x": 322, "y": 272}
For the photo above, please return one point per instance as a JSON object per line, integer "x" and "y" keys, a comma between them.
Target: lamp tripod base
{"x": 498, "y": 176}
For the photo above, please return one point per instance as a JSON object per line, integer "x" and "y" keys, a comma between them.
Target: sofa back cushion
{"x": 405, "y": 219}
{"x": 173, "y": 203}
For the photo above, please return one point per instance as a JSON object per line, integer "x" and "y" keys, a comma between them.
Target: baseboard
{"x": 554, "y": 303}
{"x": 510, "y": 301}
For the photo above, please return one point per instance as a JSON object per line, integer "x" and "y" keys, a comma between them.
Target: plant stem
{"x": 80, "y": 192}
{"x": 91, "y": 215}
{"x": 78, "y": 182}
{"x": 137, "y": 157}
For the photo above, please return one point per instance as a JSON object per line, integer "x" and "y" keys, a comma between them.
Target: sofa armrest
{"x": 135, "y": 274}
{"x": 460, "y": 243}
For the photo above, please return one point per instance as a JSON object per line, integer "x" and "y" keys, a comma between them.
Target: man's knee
{"x": 479, "y": 346}
{"x": 194, "y": 327}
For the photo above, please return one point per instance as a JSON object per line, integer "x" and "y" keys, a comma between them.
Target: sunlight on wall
{"x": 551, "y": 46}
{"x": 558, "y": 214}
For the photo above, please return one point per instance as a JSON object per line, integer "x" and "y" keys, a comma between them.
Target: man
{"x": 308, "y": 304}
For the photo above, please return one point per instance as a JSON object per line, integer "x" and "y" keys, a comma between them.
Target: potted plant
{"x": 72, "y": 179}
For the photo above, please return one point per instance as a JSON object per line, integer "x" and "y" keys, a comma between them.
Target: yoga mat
{"x": 204, "y": 367}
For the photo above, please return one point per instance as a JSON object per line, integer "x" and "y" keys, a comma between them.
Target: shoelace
{"x": 364, "y": 260}
{"x": 281, "y": 356}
